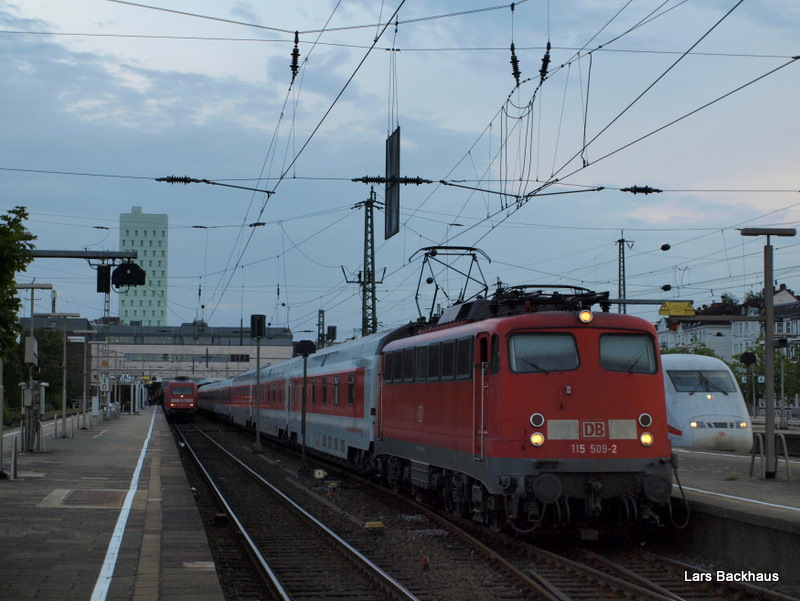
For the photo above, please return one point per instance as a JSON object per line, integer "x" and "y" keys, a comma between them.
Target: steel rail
{"x": 393, "y": 587}
{"x": 259, "y": 558}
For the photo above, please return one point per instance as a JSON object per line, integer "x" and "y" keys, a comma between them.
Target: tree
{"x": 729, "y": 300}
{"x": 754, "y": 298}
{"x": 16, "y": 252}
{"x": 698, "y": 348}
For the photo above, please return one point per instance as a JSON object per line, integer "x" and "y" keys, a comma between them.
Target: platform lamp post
{"x": 257, "y": 331}
{"x": 64, "y": 316}
{"x": 769, "y": 342}
{"x": 304, "y": 348}
{"x": 85, "y": 334}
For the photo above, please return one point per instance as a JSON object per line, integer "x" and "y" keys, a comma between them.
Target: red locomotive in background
{"x": 180, "y": 399}
{"x": 524, "y": 411}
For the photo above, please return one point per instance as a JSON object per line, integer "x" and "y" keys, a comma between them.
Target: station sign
{"x": 677, "y": 308}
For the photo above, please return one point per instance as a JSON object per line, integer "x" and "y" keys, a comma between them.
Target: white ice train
{"x": 705, "y": 407}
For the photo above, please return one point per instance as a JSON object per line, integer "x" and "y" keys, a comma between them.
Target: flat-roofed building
{"x": 148, "y": 235}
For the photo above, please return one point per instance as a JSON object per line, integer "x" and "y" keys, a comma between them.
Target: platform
{"x": 746, "y": 523}
{"x": 105, "y": 514}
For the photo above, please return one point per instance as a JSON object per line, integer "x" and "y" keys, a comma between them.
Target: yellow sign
{"x": 677, "y": 308}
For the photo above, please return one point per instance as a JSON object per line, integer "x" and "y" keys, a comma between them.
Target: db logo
{"x": 593, "y": 429}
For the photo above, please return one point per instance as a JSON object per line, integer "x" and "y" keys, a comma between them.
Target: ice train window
{"x": 542, "y": 353}
{"x": 707, "y": 380}
{"x": 632, "y": 353}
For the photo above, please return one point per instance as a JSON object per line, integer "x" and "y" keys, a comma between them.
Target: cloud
{"x": 122, "y": 107}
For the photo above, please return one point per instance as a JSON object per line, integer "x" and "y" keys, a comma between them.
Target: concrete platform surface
{"x": 106, "y": 513}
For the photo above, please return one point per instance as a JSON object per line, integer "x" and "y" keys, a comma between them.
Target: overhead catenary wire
{"x": 310, "y": 31}
{"x": 506, "y": 221}
{"x": 542, "y": 186}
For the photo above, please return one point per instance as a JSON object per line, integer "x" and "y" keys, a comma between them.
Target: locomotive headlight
{"x": 646, "y": 439}
{"x": 710, "y": 396}
{"x": 537, "y": 420}
{"x": 537, "y": 439}
{"x": 585, "y": 316}
{"x": 742, "y": 424}
{"x": 693, "y": 424}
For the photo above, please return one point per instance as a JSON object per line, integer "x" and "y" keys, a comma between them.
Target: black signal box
{"x": 258, "y": 326}
{"x": 104, "y": 279}
{"x": 128, "y": 274}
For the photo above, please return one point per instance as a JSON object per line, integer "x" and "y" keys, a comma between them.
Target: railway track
{"x": 441, "y": 559}
{"x": 629, "y": 573}
{"x": 298, "y": 555}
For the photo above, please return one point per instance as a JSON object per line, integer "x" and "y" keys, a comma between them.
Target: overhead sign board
{"x": 676, "y": 308}
{"x": 392, "y": 194}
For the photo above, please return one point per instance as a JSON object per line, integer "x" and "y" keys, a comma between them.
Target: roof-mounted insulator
{"x": 295, "y": 56}
{"x": 515, "y": 64}
{"x": 545, "y": 64}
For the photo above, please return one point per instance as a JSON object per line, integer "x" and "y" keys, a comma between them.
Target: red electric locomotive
{"x": 180, "y": 399}
{"x": 529, "y": 410}
{"x": 524, "y": 411}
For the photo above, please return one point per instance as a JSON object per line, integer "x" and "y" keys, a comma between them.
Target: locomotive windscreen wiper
{"x": 707, "y": 384}
{"x": 631, "y": 365}
{"x": 534, "y": 365}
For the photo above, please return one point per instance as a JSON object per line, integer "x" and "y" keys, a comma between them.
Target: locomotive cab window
{"x": 542, "y": 353}
{"x": 181, "y": 390}
{"x": 695, "y": 380}
{"x": 632, "y": 353}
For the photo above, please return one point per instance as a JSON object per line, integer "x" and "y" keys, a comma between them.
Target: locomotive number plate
{"x": 594, "y": 448}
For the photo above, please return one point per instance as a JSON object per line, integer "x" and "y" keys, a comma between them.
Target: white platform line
{"x": 717, "y": 494}
{"x": 107, "y": 572}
